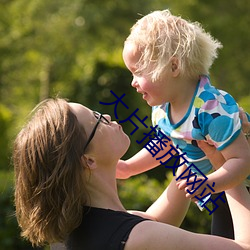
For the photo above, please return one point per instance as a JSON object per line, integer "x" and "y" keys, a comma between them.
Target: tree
{"x": 72, "y": 48}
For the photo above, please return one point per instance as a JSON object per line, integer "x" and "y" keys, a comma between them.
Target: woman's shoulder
{"x": 110, "y": 227}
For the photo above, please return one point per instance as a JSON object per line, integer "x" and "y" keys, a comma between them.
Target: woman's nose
{"x": 108, "y": 117}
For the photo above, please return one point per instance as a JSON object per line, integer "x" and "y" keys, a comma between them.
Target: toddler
{"x": 170, "y": 59}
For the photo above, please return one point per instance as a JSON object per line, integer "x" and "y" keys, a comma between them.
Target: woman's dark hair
{"x": 49, "y": 180}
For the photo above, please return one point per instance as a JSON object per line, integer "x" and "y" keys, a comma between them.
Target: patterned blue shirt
{"x": 213, "y": 115}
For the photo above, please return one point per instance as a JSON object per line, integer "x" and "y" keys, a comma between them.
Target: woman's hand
{"x": 214, "y": 156}
{"x": 212, "y": 153}
{"x": 245, "y": 124}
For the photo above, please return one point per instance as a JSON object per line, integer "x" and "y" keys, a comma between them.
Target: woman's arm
{"x": 159, "y": 236}
{"x": 234, "y": 159}
{"x": 239, "y": 203}
{"x": 171, "y": 207}
{"x": 232, "y": 167}
{"x": 217, "y": 159}
{"x": 236, "y": 167}
{"x": 214, "y": 156}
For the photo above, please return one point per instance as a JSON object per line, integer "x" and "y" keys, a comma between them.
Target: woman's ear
{"x": 89, "y": 161}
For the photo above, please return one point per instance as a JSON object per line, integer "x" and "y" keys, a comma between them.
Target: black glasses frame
{"x": 100, "y": 118}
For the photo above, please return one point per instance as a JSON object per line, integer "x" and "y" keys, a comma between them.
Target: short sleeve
{"x": 218, "y": 118}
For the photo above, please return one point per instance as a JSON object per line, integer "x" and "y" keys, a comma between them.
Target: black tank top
{"x": 102, "y": 229}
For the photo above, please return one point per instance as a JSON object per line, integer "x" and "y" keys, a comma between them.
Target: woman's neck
{"x": 102, "y": 189}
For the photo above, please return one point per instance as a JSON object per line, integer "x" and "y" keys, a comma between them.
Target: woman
{"x": 65, "y": 189}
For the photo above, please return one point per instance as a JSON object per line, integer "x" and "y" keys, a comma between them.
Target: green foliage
{"x": 245, "y": 103}
{"x": 5, "y": 123}
{"x": 227, "y": 22}
{"x": 197, "y": 221}
{"x": 139, "y": 192}
{"x": 73, "y": 48}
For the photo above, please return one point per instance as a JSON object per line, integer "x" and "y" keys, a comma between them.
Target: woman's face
{"x": 109, "y": 140}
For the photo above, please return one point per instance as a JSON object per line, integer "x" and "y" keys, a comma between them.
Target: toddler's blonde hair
{"x": 161, "y": 36}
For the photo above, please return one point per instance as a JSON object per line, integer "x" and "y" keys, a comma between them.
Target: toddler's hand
{"x": 122, "y": 170}
{"x": 192, "y": 185}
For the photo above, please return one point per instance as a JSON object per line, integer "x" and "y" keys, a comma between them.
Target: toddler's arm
{"x": 139, "y": 163}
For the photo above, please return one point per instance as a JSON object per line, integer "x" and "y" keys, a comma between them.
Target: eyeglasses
{"x": 100, "y": 118}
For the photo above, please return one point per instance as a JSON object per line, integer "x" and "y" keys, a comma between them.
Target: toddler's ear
{"x": 175, "y": 66}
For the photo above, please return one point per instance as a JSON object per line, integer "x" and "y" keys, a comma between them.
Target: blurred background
{"x": 72, "y": 48}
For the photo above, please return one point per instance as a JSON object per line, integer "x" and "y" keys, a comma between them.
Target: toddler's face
{"x": 152, "y": 92}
